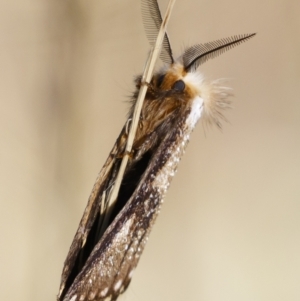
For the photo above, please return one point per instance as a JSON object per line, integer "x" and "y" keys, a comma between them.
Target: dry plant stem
{"x": 147, "y": 75}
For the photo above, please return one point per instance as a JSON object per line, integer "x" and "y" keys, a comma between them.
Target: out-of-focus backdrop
{"x": 230, "y": 226}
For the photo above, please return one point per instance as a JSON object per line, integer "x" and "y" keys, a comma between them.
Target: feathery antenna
{"x": 198, "y": 54}
{"x": 152, "y": 21}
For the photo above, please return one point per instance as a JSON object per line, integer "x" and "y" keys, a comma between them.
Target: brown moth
{"x": 105, "y": 251}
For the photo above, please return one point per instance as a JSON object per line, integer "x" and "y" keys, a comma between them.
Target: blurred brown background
{"x": 229, "y": 229}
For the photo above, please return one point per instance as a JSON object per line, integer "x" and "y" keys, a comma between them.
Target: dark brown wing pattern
{"x": 108, "y": 270}
{"x": 89, "y": 216}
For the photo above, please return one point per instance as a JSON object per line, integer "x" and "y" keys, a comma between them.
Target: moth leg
{"x": 102, "y": 204}
{"x": 149, "y": 85}
{"x": 128, "y": 126}
{"x": 130, "y": 154}
{"x": 144, "y": 83}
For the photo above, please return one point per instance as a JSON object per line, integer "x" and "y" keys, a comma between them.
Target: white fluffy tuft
{"x": 216, "y": 98}
{"x": 194, "y": 79}
{"x": 196, "y": 112}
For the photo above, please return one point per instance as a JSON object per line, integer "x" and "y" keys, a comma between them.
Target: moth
{"x": 110, "y": 239}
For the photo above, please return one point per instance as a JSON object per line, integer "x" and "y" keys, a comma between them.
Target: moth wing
{"x": 108, "y": 270}
{"x": 90, "y": 212}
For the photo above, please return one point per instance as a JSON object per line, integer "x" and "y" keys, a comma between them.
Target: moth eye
{"x": 160, "y": 80}
{"x": 178, "y": 86}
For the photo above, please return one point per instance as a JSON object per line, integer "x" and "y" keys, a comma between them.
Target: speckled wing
{"x": 109, "y": 268}
{"x": 90, "y": 213}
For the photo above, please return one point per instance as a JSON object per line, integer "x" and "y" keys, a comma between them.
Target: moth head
{"x": 182, "y": 78}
